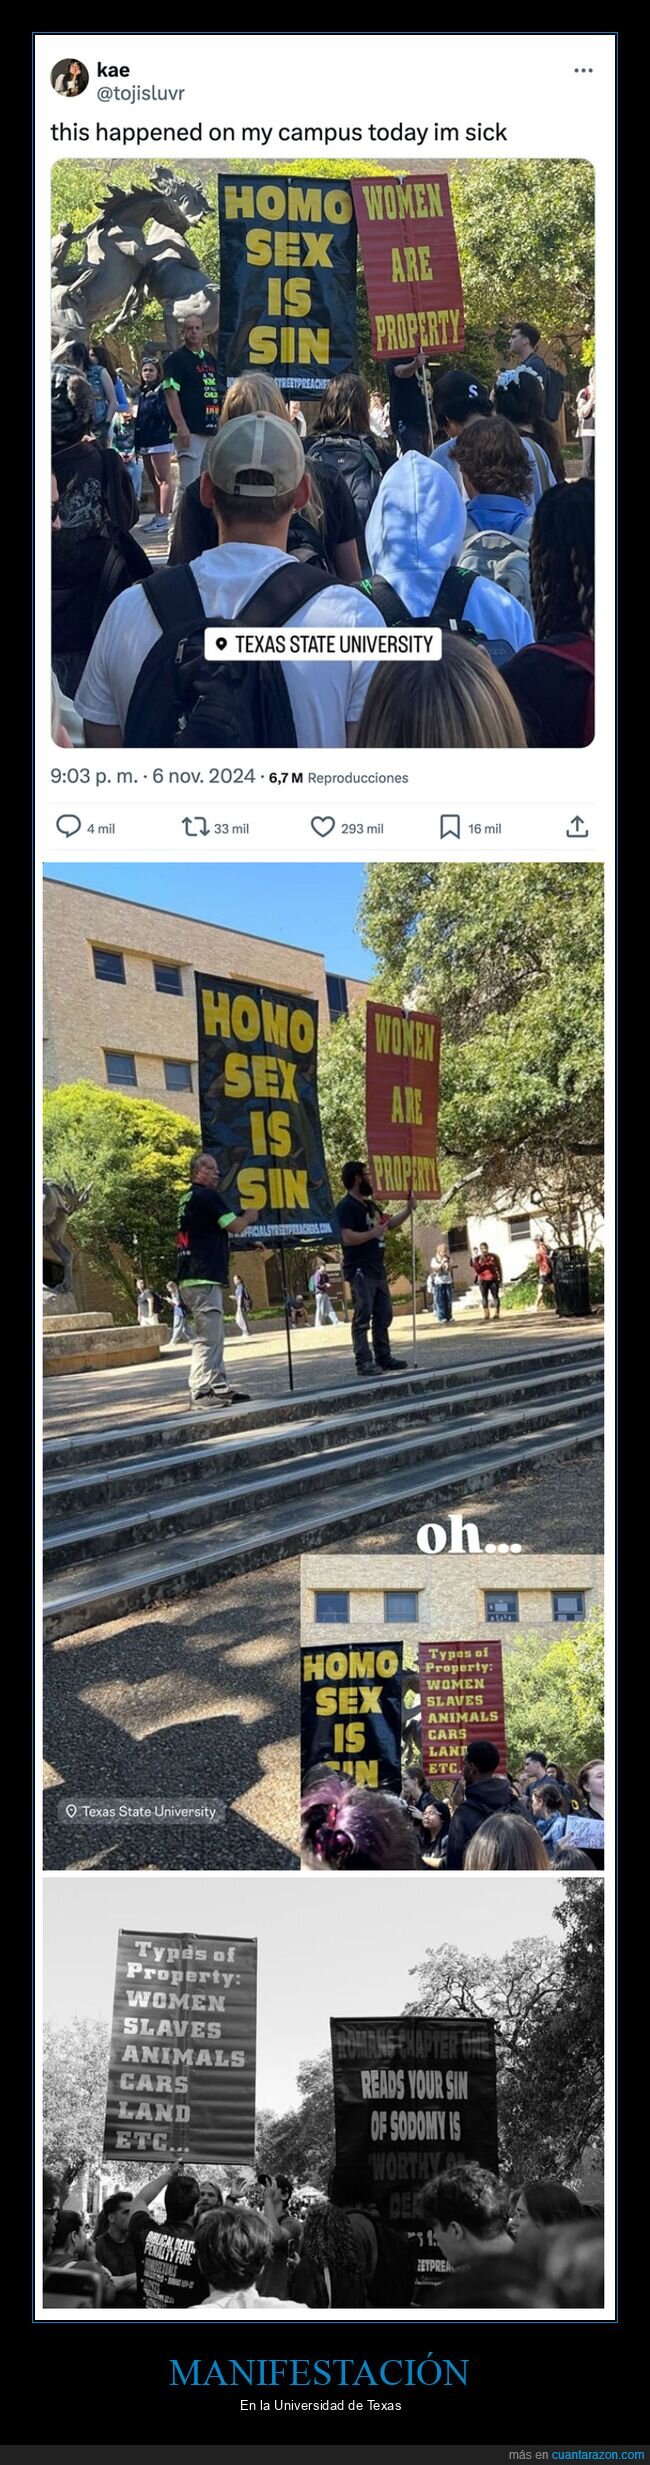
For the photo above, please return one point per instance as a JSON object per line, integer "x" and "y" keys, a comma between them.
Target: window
{"x": 332, "y": 1608}
{"x": 520, "y": 1228}
{"x": 502, "y": 1608}
{"x": 121, "y": 1070}
{"x": 337, "y": 995}
{"x": 568, "y": 1608}
{"x": 457, "y": 1238}
{"x": 166, "y": 979}
{"x": 178, "y": 1074}
{"x": 109, "y": 966}
{"x": 401, "y": 1608}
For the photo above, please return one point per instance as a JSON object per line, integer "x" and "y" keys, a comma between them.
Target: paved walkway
{"x": 322, "y": 1358}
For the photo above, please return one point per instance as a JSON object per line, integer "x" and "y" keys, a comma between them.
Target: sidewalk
{"x": 321, "y": 1358}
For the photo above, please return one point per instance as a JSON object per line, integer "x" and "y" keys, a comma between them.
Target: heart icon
{"x": 323, "y": 823}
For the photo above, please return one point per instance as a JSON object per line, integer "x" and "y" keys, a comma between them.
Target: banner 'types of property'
{"x": 461, "y": 1697}
{"x": 181, "y": 2073}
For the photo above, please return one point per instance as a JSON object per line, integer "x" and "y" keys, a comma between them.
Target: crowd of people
{"x": 487, "y": 1822}
{"x": 449, "y": 509}
{"x": 255, "y": 2243}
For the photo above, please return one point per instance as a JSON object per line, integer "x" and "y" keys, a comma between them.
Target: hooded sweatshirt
{"x": 496, "y": 513}
{"x": 483, "y": 1798}
{"x": 415, "y": 532}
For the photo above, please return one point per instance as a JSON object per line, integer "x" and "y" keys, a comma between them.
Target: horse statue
{"x": 122, "y": 266}
{"x": 61, "y": 1200}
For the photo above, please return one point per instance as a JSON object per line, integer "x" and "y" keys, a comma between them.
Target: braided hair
{"x": 562, "y": 561}
{"x": 342, "y": 1826}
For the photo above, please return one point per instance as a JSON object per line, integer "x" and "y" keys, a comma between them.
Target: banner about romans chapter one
{"x": 181, "y": 2077}
{"x": 402, "y": 1084}
{"x": 351, "y": 1712}
{"x": 411, "y": 2097}
{"x": 258, "y": 1098}
{"x": 288, "y": 302}
{"x": 410, "y": 261}
{"x": 461, "y": 1697}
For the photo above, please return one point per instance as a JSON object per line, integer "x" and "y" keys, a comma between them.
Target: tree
{"x": 75, "y": 2073}
{"x": 526, "y": 248}
{"x": 135, "y": 1155}
{"x": 511, "y": 958}
{"x": 554, "y": 1695}
{"x": 547, "y": 2004}
{"x": 301, "y": 2143}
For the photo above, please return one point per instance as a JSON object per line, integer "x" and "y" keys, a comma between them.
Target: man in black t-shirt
{"x": 363, "y": 1230}
{"x": 192, "y": 398}
{"x": 202, "y": 1263}
{"x": 166, "y": 2263}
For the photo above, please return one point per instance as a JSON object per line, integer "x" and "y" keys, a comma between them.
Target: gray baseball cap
{"x": 252, "y": 457}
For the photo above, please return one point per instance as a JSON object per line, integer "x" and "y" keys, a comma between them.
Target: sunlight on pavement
{"x": 141, "y": 1710}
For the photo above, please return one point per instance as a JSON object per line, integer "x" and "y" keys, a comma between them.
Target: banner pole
{"x": 423, "y": 366}
{"x": 287, "y": 1320}
{"x": 414, "y": 1286}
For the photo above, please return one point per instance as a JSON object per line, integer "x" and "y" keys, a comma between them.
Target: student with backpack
{"x": 95, "y": 559}
{"x": 498, "y": 485}
{"x": 324, "y": 534}
{"x": 518, "y": 396}
{"x": 415, "y": 543}
{"x": 552, "y": 682}
{"x": 457, "y": 398}
{"x": 345, "y": 444}
{"x": 147, "y": 681}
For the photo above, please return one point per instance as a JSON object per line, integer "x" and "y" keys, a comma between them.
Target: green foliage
{"x": 135, "y": 1155}
{"x": 526, "y": 246}
{"x": 522, "y": 1293}
{"x": 554, "y": 1695}
{"x": 511, "y": 958}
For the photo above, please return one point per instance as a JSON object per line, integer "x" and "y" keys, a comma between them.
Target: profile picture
{"x": 69, "y": 77}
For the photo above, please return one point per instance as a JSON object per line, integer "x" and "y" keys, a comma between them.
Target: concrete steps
{"x": 141, "y": 1515}
{"x": 88, "y": 1340}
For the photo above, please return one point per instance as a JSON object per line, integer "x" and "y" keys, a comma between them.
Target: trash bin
{"x": 571, "y": 1283}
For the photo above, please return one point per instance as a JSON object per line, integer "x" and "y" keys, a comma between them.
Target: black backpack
{"x": 182, "y": 698}
{"x": 448, "y": 612}
{"x": 356, "y": 462}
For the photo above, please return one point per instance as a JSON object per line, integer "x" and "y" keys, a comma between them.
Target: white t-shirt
{"x": 247, "y": 2300}
{"x": 326, "y": 696}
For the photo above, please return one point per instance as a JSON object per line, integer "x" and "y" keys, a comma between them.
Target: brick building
{"x": 119, "y": 1006}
